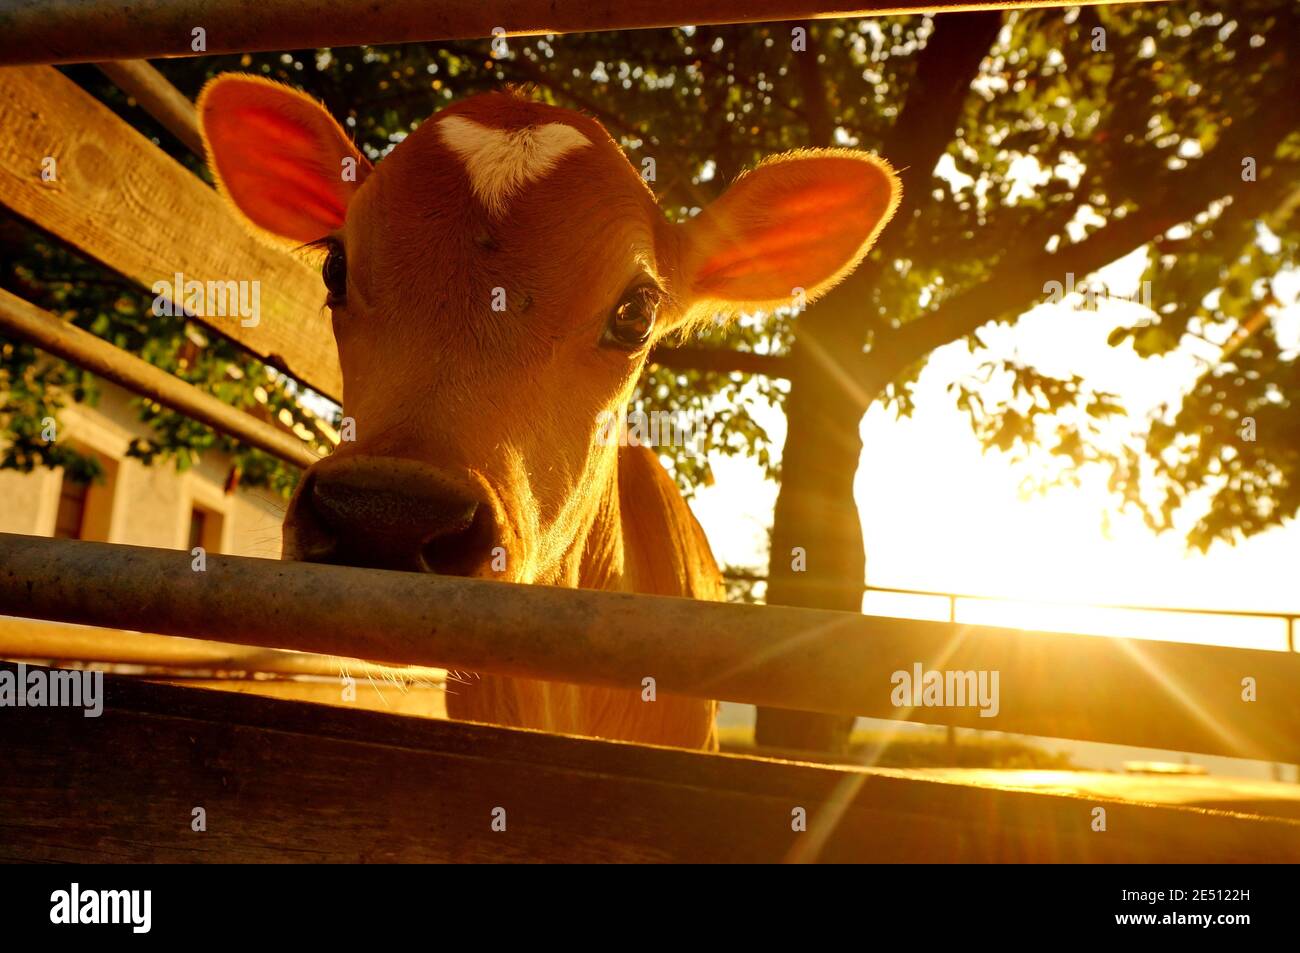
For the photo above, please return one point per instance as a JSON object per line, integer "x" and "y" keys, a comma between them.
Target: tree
{"x": 1144, "y": 122}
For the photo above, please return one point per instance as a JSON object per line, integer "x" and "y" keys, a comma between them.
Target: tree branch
{"x": 721, "y": 360}
{"x": 812, "y": 85}
{"x": 945, "y": 68}
{"x": 1017, "y": 281}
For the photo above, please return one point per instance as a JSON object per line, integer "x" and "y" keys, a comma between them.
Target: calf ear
{"x": 278, "y": 156}
{"x": 803, "y": 220}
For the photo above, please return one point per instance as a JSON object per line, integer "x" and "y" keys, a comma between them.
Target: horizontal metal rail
{"x": 112, "y": 363}
{"x": 1164, "y": 695}
{"x": 71, "y": 31}
{"x": 952, "y": 598}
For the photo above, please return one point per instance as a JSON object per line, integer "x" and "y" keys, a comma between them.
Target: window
{"x": 198, "y": 520}
{"x": 72, "y": 509}
{"x": 205, "y": 529}
{"x": 85, "y": 510}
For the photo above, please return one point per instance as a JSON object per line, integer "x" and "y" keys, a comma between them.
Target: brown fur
{"x": 665, "y": 553}
{"x": 505, "y": 406}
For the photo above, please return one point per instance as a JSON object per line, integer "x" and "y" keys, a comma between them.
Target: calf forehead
{"x": 502, "y": 192}
{"x": 501, "y": 162}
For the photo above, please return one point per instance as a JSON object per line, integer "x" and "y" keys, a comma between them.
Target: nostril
{"x": 357, "y": 506}
{"x": 449, "y": 520}
{"x": 306, "y": 537}
{"x": 459, "y": 550}
{"x": 396, "y": 514}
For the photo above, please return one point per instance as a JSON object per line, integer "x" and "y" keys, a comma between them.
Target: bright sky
{"x": 939, "y": 513}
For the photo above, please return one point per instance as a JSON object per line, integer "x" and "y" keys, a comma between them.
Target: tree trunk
{"x": 830, "y": 392}
{"x": 816, "y": 514}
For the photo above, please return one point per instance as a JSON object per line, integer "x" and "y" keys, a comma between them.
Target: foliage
{"x": 1056, "y": 143}
{"x": 36, "y": 387}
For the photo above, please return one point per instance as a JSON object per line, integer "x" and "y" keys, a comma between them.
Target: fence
{"x": 1288, "y": 619}
{"x": 170, "y": 743}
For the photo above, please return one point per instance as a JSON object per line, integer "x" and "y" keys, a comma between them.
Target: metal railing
{"x": 1155, "y": 694}
{"x": 73, "y": 31}
{"x": 952, "y": 598}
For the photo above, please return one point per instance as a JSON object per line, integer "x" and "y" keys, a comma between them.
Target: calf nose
{"x": 390, "y": 513}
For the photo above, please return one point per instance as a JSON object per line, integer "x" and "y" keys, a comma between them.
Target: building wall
{"x": 142, "y": 505}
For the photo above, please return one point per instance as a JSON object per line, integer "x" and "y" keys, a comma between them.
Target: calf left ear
{"x": 802, "y": 220}
{"x": 278, "y": 156}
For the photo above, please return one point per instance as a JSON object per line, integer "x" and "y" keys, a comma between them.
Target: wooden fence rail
{"x": 284, "y": 782}
{"x": 123, "y": 202}
{"x": 30, "y": 639}
{"x": 301, "y": 782}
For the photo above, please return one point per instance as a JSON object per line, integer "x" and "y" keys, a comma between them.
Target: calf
{"x": 495, "y": 285}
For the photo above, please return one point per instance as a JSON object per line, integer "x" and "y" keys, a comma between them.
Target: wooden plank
{"x": 29, "y": 639}
{"x": 1237, "y": 795}
{"x": 412, "y": 701}
{"x": 119, "y": 199}
{"x": 1167, "y": 695}
{"x": 65, "y": 31}
{"x": 284, "y": 781}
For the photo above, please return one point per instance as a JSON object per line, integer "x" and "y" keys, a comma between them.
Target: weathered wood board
{"x": 282, "y": 781}
{"x": 34, "y": 639}
{"x": 123, "y": 202}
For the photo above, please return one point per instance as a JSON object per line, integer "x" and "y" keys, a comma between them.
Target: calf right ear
{"x": 800, "y": 221}
{"x": 278, "y": 156}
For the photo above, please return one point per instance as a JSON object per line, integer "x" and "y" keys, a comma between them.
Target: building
{"x": 157, "y": 505}
{"x": 136, "y": 504}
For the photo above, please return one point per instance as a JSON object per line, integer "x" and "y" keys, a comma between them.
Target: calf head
{"x": 496, "y": 284}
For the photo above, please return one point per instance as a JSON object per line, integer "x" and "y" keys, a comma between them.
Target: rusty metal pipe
{"x": 1156, "y": 694}
{"x": 72, "y": 31}
{"x": 111, "y": 363}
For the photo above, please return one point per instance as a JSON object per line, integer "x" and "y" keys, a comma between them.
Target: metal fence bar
{"x": 1248, "y": 613}
{"x": 111, "y": 363}
{"x": 1124, "y": 691}
{"x": 1289, "y": 617}
{"x": 70, "y": 31}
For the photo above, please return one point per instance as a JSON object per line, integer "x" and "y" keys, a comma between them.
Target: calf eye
{"x": 335, "y": 273}
{"x": 633, "y": 319}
